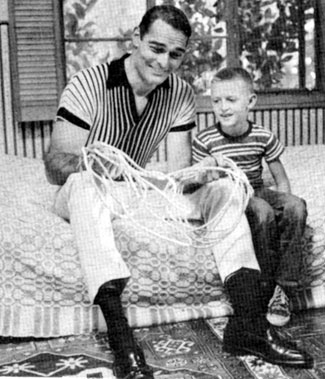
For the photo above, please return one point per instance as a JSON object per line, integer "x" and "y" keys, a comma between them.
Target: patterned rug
{"x": 189, "y": 350}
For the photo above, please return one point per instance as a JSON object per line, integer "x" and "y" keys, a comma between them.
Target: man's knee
{"x": 79, "y": 180}
{"x": 63, "y": 197}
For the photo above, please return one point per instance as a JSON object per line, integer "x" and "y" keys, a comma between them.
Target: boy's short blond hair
{"x": 230, "y": 73}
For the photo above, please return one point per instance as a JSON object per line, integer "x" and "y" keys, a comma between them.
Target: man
{"x": 132, "y": 104}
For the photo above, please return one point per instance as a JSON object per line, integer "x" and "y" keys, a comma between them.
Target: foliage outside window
{"x": 274, "y": 39}
{"x": 97, "y": 31}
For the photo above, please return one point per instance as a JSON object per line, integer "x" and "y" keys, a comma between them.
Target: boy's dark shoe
{"x": 131, "y": 365}
{"x": 269, "y": 346}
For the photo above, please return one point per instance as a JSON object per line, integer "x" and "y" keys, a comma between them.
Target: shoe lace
{"x": 280, "y": 299}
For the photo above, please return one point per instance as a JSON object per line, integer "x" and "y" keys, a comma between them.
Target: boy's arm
{"x": 280, "y": 176}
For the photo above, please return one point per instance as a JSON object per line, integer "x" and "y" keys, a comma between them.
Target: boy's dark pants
{"x": 277, "y": 222}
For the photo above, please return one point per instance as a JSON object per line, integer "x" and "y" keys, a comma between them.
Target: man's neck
{"x": 139, "y": 87}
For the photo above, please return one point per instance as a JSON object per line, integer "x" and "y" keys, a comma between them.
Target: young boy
{"x": 276, "y": 217}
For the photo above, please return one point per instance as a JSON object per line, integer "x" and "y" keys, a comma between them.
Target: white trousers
{"x": 91, "y": 219}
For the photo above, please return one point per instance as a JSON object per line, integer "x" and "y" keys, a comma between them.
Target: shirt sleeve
{"x": 199, "y": 150}
{"x": 273, "y": 149}
{"x": 76, "y": 101}
{"x": 186, "y": 110}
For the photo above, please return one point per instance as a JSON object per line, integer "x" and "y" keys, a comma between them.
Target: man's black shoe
{"x": 131, "y": 366}
{"x": 271, "y": 347}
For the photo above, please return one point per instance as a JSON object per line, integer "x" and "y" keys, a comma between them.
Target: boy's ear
{"x": 136, "y": 37}
{"x": 252, "y": 100}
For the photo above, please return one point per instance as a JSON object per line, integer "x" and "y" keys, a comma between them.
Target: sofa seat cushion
{"x": 41, "y": 286}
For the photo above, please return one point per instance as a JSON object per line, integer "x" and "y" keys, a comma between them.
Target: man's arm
{"x": 280, "y": 176}
{"x": 64, "y": 152}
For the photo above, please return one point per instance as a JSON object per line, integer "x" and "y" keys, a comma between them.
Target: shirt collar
{"x": 117, "y": 75}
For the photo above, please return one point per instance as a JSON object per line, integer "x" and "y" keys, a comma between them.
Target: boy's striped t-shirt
{"x": 100, "y": 99}
{"x": 247, "y": 151}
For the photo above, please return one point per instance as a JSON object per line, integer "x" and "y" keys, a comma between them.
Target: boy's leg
{"x": 261, "y": 219}
{"x": 291, "y": 215}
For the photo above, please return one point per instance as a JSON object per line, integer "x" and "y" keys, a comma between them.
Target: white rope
{"x": 98, "y": 157}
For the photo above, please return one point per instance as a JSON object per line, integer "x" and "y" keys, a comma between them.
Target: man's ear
{"x": 136, "y": 37}
{"x": 252, "y": 100}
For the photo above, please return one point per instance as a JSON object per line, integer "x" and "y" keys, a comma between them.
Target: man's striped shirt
{"x": 247, "y": 150}
{"x": 100, "y": 99}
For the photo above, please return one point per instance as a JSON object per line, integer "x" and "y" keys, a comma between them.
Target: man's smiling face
{"x": 159, "y": 52}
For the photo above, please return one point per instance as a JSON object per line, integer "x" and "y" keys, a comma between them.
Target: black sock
{"x": 119, "y": 333}
{"x": 248, "y": 300}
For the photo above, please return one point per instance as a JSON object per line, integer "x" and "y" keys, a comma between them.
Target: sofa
{"x": 42, "y": 292}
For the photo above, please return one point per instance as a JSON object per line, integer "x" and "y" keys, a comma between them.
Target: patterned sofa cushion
{"x": 305, "y": 166}
{"x": 42, "y": 292}
{"x": 41, "y": 286}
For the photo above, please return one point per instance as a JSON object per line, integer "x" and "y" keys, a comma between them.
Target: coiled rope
{"x": 98, "y": 160}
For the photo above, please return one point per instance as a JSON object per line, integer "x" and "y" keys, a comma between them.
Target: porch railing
{"x": 299, "y": 126}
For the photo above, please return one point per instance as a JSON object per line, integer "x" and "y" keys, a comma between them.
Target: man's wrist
{"x": 81, "y": 164}
{"x": 216, "y": 161}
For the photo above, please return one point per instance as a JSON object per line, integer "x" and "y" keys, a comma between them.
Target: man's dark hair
{"x": 230, "y": 73}
{"x": 169, "y": 14}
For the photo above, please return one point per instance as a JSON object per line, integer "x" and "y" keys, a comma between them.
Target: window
{"x": 273, "y": 39}
{"x": 277, "y": 43}
{"x": 98, "y": 30}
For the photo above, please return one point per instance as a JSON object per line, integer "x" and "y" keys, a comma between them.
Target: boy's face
{"x": 232, "y": 100}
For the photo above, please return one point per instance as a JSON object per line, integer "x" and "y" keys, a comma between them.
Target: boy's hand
{"x": 221, "y": 161}
{"x": 206, "y": 175}
{"x": 202, "y": 176}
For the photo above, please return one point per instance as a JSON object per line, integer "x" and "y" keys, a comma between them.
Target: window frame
{"x": 277, "y": 98}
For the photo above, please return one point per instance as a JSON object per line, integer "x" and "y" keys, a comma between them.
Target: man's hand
{"x": 110, "y": 168}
